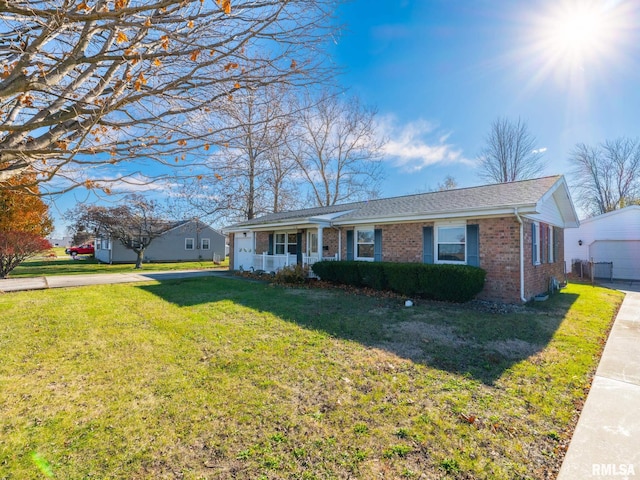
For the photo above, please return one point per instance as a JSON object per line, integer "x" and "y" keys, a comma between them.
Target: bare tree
{"x": 449, "y": 183}
{"x": 337, "y": 149}
{"x": 90, "y": 83}
{"x": 511, "y": 153}
{"x": 607, "y": 177}
{"x": 135, "y": 224}
{"x": 281, "y": 178}
{"x": 250, "y": 173}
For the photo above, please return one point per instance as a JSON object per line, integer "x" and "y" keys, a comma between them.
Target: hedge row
{"x": 451, "y": 283}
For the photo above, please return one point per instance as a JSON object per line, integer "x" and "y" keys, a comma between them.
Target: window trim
{"x": 550, "y": 244}
{"x": 372, "y": 243}
{"x": 208, "y": 240}
{"x": 436, "y": 242}
{"x": 193, "y": 243}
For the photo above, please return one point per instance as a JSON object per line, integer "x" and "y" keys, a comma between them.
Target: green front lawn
{"x": 63, "y": 264}
{"x": 221, "y": 378}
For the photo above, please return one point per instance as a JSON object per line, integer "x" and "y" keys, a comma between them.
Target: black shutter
{"x": 270, "y": 251}
{"x": 349, "y": 244}
{"x": 473, "y": 245}
{"x": 299, "y": 248}
{"x": 427, "y": 245}
{"x": 377, "y": 245}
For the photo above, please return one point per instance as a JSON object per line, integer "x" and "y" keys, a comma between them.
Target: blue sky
{"x": 440, "y": 71}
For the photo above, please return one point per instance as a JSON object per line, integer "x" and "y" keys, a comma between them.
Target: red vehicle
{"x": 86, "y": 249}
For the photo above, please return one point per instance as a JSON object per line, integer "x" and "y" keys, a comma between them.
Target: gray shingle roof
{"x": 486, "y": 197}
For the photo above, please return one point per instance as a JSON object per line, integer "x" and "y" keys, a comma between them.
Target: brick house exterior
{"x": 514, "y": 231}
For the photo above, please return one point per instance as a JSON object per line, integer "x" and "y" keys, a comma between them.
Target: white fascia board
{"x": 619, "y": 211}
{"x": 496, "y": 212}
{"x": 559, "y": 193}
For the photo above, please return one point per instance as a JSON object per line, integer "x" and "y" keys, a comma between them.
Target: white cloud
{"x": 418, "y": 144}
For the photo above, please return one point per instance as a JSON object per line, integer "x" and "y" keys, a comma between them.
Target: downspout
{"x": 522, "y": 297}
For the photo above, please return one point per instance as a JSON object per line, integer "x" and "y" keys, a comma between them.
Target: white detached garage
{"x": 611, "y": 237}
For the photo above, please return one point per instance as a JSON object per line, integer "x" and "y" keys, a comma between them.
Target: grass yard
{"x": 63, "y": 264}
{"x": 222, "y": 378}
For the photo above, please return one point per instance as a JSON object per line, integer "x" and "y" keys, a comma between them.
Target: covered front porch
{"x": 271, "y": 250}
{"x": 274, "y": 262}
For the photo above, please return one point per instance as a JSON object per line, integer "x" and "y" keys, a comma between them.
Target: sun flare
{"x": 577, "y": 42}
{"x": 579, "y": 33}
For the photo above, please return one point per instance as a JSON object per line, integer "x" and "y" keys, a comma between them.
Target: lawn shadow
{"x": 478, "y": 340}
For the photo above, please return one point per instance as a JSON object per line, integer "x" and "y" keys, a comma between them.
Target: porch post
{"x": 320, "y": 242}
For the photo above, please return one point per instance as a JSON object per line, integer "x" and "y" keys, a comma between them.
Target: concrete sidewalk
{"x": 63, "y": 281}
{"x": 606, "y": 441}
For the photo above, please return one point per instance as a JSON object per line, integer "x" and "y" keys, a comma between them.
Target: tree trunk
{"x": 139, "y": 258}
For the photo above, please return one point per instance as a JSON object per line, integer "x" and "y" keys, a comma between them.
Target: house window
{"x": 280, "y": 243}
{"x": 451, "y": 244}
{"x": 550, "y": 242}
{"x": 286, "y": 243}
{"x": 205, "y": 244}
{"x": 364, "y": 244}
{"x": 292, "y": 243}
{"x": 313, "y": 243}
{"x": 535, "y": 243}
{"x": 189, "y": 244}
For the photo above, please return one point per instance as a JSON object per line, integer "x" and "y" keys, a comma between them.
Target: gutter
{"x": 515, "y": 212}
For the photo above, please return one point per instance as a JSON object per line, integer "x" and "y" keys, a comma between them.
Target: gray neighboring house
{"x": 182, "y": 241}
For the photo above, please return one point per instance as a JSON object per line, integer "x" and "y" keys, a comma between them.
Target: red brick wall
{"x": 499, "y": 255}
{"x": 500, "y": 258}
{"x": 330, "y": 239}
{"x": 536, "y": 277}
{"x": 402, "y": 242}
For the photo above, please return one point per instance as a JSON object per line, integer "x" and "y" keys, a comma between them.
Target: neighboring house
{"x": 610, "y": 237}
{"x": 514, "y": 231}
{"x": 61, "y": 242}
{"x": 189, "y": 240}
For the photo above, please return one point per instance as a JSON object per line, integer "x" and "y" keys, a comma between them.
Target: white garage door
{"x": 625, "y": 255}
{"x": 243, "y": 251}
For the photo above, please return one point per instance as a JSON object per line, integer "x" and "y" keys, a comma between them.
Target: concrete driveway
{"x": 63, "y": 281}
{"x": 606, "y": 441}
